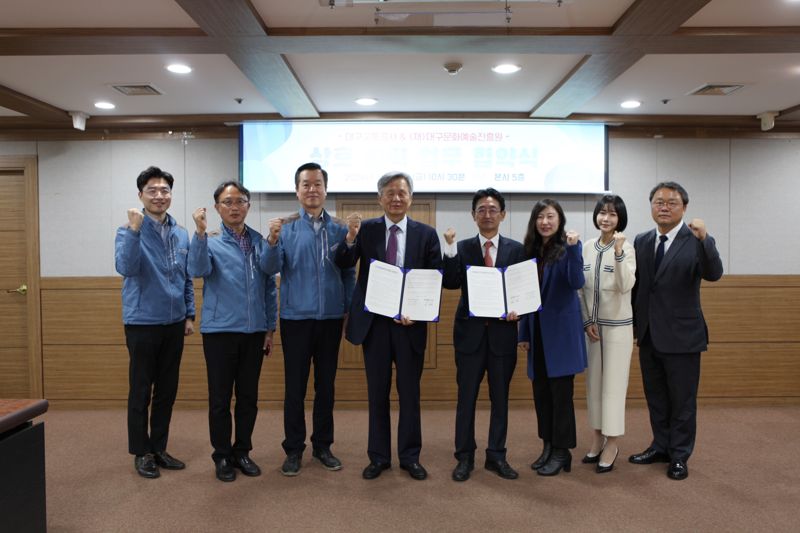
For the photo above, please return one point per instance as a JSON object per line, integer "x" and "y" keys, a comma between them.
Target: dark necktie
{"x": 391, "y": 246}
{"x": 660, "y": 250}
{"x": 487, "y": 257}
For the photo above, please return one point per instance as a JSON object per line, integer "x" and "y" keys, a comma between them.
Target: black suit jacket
{"x": 422, "y": 251}
{"x": 467, "y": 332}
{"x": 667, "y": 303}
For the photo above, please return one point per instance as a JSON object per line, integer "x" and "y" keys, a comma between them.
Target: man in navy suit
{"x": 393, "y": 238}
{"x": 483, "y": 345}
{"x": 671, "y": 260}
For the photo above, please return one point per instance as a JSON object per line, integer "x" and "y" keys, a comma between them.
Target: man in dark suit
{"x": 483, "y": 345}
{"x": 393, "y": 238}
{"x": 671, "y": 260}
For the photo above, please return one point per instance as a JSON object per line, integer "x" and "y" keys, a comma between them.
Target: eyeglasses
{"x": 492, "y": 211}
{"x": 239, "y": 202}
{"x": 155, "y": 191}
{"x": 672, "y": 204}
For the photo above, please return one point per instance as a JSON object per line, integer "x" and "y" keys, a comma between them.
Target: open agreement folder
{"x": 497, "y": 291}
{"x": 413, "y": 292}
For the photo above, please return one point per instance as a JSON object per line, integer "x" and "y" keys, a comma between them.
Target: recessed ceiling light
{"x": 178, "y": 68}
{"x": 506, "y": 68}
{"x": 630, "y": 104}
{"x": 366, "y": 101}
{"x": 104, "y": 105}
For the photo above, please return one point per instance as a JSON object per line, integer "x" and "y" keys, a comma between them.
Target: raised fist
{"x": 450, "y": 236}
{"x": 275, "y": 225}
{"x": 353, "y": 225}
{"x": 200, "y": 221}
{"x": 698, "y": 227}
{"x": 135, "y": 218}
{"x": 572, "y": 237}
{"x": 619, "y": 240}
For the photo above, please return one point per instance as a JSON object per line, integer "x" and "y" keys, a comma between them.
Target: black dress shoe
{"x": 462, "y": 470}
{"x": 328, "y": 460}
{"x": 165, "y": 460}
{"x": 603, "y": 468}
{"x": 560, "y": 458}
{"x": 225, "y": 471}
{"x": 591, "y": 459}
{"x": 501, "y": 468}
{"x": 291, "y": 466}
{"x": 649, "y": 456}
{"x": 374, "y": 470}
{"x": 246, "y": 465}
{"x": 678, "y": 470}
{"x": 146, "y": 466}
{"x": 545, "y": 455}
{"x": 415, "y": 470}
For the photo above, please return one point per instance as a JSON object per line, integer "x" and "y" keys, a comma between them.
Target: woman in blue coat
{"x": 553, "y": 336}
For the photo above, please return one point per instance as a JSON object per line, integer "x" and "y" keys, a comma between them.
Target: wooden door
{"x": 422, "y": 210}
{"x": 20, "y": 340}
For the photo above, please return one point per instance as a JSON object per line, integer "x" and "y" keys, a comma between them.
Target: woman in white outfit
{"x": 609, "y": 266}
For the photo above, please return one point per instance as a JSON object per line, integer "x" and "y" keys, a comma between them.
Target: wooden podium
{"x": 22, "y": 481}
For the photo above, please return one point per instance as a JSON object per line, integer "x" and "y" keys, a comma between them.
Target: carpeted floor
{"x": 744, "y": 476}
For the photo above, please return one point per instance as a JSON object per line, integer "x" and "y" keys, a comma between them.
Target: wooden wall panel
{"x": 752, "y": 357}
{"x": 14, "y": 373}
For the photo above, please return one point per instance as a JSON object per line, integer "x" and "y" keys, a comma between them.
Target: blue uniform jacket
{"x": 560, "y": 318}
{"x": 238, "y": 296}
{"x": 157, "y": 289}
{"x": 313, "y": 287}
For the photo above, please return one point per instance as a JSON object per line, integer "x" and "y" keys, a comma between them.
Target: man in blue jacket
{"x": 158, "y": 311}
{"x": 238, "y": 320}
{"x": 315, "y": 297}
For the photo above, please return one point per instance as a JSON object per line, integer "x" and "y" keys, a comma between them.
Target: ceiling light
{"x": 178, "y": 68}
{"x": 104, "y": 105}
{"x": 630, "y": 104}
{"x": 367, "y": 101}
{"x": 506, "y": 68}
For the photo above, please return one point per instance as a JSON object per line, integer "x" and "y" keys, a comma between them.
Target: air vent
{"x": 716, "y": 89}
{"x": 137, "y": 89}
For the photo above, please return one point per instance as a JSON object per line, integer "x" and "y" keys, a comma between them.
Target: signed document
{"x": 496, "y": 292}
{"x": 392, "y": 291}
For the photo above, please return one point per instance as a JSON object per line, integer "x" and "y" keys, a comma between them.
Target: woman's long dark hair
{"x": 533, "y": 241}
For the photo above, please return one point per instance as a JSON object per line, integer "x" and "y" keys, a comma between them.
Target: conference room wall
{"x": 743, "y": 188}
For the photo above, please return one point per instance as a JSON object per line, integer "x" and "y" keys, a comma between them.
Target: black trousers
{"x": 305, "y": 341}
{"x": 670, "y": 387}
{"x": 233, "y": 363}
{"x": 155, "y": 360}
{"x": 552, "y": 398}
{"x": 387, "y": 342}
{"x": 470, "y": 369}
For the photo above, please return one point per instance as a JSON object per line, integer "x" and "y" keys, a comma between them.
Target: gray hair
{"x": 391, "y": 176}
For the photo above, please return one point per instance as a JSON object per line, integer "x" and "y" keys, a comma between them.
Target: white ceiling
{"x": 337, "y": 55}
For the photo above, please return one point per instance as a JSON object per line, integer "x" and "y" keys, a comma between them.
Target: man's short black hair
{"x": 310, "y": 166}
{"x": 222, "y": 186}
{"x": 672, "y": 186}
{"x": 486, "y": 193}
{"x": 153, "y": 172}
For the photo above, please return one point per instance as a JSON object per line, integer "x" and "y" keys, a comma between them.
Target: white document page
{"x": 384, "y": 288}
{"x": 522, "y": 288}
{"x": 485, "y": 288}
{"x": 422, "y": 295}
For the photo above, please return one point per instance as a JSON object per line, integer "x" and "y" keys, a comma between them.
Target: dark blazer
{"x": 422, "y": 251}
{"x": 560, "y": 318}
{"x": 468, "y": 332}
{"x": 666, "y": 303}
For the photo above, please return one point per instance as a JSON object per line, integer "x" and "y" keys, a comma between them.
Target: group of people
{"x": 596, "y": 298}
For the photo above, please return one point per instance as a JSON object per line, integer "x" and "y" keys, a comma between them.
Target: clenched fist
{"x": 619, "y": 240}
{"x": 572, "y": 237}
{"x": 698, "y": 227}
{"x": 450, "y": 236}
{"x": 200, "y": 221}
{"x": 353, "y": 225}
{"x": 135, "y": 218}
{"x": 275, "y": 225}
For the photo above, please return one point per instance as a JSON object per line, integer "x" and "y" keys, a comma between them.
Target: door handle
{"x": 22, "y": 289}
